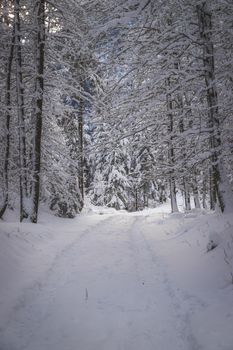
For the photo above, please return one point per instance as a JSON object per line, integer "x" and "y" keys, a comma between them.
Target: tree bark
{"x": 186, "y": 195}
{"x": 196, "y": 194}
{"x": 205, "y": 31}
{"x": 21, "y": 113}
{"x": 174, "y": 205}
{"x": 136, "y": 199}
{"x": 40, "y": 61}
{"x": 204, "y": 191}
{"x": 180, "y": 104}
{"x": 171, "y": 155}
{"x": 81, "y": 148}
{"x": 8, "y": 119}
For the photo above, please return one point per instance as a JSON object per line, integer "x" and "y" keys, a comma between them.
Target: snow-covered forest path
{"x": 109, "y": 289}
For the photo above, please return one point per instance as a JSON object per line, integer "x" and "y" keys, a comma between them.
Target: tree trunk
{"x": 171, "y": 155}
{"x": 174, "y": 205}
{"x": 145, "y": 195}
{"x": 212, "y": 193}
{"x": 180, "y": 104}
{"x": 204, "y": 192}
{"x": 196, "y": 195}
{"x": 186, "y": 195}
{"x": 8, "y": 118}
{"x": 21, "y": 113}
{"x": 205, "y": 30}
{"x": 40, "y": 60}
{"x": 81, "y": 151}
{"x": 136, "y": 199}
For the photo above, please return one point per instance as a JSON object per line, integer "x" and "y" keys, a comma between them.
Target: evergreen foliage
{"x": 128, "y": 102}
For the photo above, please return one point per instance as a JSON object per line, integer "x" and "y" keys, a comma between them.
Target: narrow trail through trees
{"x": 107, "y": 290}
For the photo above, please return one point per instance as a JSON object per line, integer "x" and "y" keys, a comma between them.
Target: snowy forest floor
{"x": 117, "y": 281}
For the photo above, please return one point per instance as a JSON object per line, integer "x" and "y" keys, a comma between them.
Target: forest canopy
{"x": 125, "y": 102}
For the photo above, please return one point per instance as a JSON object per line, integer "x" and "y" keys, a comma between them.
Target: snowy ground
{"x": 117, "y": 281}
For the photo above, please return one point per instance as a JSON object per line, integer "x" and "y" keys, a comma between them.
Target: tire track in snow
{"x": 22, "y": 311}
{"x": 180, "y": 303}
{"x": 130, "y": 303}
